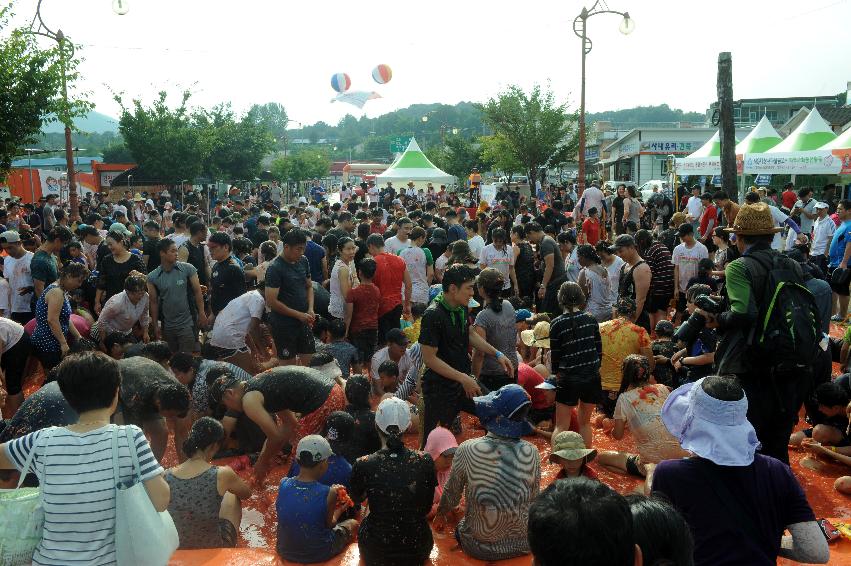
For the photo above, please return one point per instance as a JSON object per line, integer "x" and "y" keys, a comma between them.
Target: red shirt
{"x": 364, "y": 299}
{"x": 528, "y": 379}
{"x": 709, "y": 213}
{"x": 591, "y": 228}
{"x": 377, "y": 228}
{"x": 789, "y": 199}
{"x": 389, "y": 277}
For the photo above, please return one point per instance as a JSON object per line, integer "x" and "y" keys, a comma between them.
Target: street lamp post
{"x": 626, "y": 27}
{"x": 66, "y": 52}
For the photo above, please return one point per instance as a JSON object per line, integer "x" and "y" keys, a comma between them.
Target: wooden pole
{"x": 726, "y": 126}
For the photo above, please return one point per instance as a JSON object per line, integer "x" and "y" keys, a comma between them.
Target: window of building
{"x": 737, "y": 113}
{"x": 771, "y": 115}
{"x": 752, "y": 117}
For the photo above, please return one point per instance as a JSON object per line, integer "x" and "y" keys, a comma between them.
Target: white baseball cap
{"x": 393, "y": 412}
{"x": 819, "y": 205}
{"x": 313, "y": 449}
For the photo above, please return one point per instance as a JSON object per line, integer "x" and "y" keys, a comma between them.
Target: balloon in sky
{"x": 340, "y": 82}
{"x": 382, "y": 74}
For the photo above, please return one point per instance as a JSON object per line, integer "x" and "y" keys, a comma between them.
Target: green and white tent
{"x": 762, "y": 138}
{"x": 813, "y": 133}
{"x": 414, "y": 166}
{"x": 841, "y": 142}
{"x": 712, "y": 148}
{"x": 706, "y": 160}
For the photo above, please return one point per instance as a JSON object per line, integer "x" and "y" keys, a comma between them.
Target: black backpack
{"x": 787, "y": 332}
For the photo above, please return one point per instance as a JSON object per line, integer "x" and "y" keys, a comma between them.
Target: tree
{"x": 273, "y": 117}
{"x": 497, "y": 151}
{"x": 302, "y": 165}
{"x": 30, "y": 85}
{"x": 164, "y": 141}
{"x": 117, "y": 153}
{"x": 235, "y": 148}
{"x": 457, "y": 156}
{"x": 534, "y": 125}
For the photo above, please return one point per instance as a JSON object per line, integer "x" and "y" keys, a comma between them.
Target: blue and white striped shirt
{"x": 78, "y": 489}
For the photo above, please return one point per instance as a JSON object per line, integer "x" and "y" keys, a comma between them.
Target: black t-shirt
{"x": 296, "y": 388}
{"x": 448, "y": 333}
{"x": 152, "y": 250}
{"x": 112, "y": 274}
{"x": 290, "y": 280}
{"x": 227, "y": 282}
{"x": 364, "y": 437}
{"x": 102, "y": 252}
{"x": 141, "y": 379}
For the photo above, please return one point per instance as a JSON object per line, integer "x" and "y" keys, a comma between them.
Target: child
{"x": 591, "y": 227}
{"x": 388, "y": 377}
{"x": 663, "y": 350}
{"x": 831, "y": 421}
{"x": 308, "y": 511}
{"x": 412, "y": 329}
{"x": 75, "y": 253}
{"x": 570, "y": 453}
{"x": 357, "y": 396}
{"x": 705, "y": 267}
{"x": 136, "y": 245}
{"x": 697, "y": 358}
{"x": 441, "y": 446}
{"x": 346, "y": 355}
{"x": 361, "y": 314}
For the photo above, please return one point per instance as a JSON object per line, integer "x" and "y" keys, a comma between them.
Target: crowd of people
{"x": 324, "y": 336}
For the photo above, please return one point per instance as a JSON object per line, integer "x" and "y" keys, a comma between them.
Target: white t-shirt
{"x": 592, "y": 197}
{"x": 614, "y": 277}
{"x": 417, "y": 262}
{"x": 440, "y": 263}
{"x": 179, "y": 239}
{"x": 10, "y": 333}
{"x": 383, "y": 355}
{"x": 694, "y": 207}
{"x": 477, "y": 244}
{"x": 232, "y": 322}
{"x": 393, "y": 245}
{"x": 17, "y": 271}
{"x": 807, "y": 223}
{"x": 499, "y": 260}
{"x": 686, "y": 260}
{"x": 823, "y": 229}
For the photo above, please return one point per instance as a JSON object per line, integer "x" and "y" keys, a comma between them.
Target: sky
{"x": 285, "y": 51}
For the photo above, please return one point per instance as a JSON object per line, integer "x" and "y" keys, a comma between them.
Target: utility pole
{"x": 726, "y": 126}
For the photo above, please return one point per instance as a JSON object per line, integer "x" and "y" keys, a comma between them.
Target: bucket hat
{"x": 497, "y": 407}
{"x": 569, "y": 445}
{"x": 710, "y": 428}
{"x": 754, "y": 220}
{"x": 538, "y": 337}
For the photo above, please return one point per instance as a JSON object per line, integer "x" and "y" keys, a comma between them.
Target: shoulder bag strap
{"x": 131, "y": 446}
{"x": 115, "y": 472}
{"x": 739, "y": 516}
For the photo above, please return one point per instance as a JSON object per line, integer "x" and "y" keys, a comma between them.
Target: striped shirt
{"x": 658, "y": 258}
{"x": 78, "y": 489}
{"x": 576, "y": 346}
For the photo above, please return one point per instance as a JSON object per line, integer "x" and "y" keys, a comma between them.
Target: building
{"x": 749, "y": 111}
{"x": 82, "y": 164}
{"x": 641, "y": 154}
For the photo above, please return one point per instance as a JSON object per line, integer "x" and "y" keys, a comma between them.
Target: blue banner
{"x": 762, "y": 180}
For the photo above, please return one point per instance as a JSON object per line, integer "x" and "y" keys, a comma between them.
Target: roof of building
{"x": 836, "y": 116}
{"x": 52, "y": 161}
{"x": 140, "y": 178}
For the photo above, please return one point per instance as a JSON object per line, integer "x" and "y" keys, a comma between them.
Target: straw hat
{"x": 538, "y": 337}
{"x": 754, "y": 220}
{"x": 139, "y": 197}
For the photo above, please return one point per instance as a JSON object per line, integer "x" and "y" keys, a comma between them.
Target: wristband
{"x": 498, "y": 354}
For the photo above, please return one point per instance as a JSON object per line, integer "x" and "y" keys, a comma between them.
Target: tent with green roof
{"x": 813, "y": 133}
{"x": 841, "y": 142}
{"x": 762, "y": 138}
{"x": 414, "y": 166}
{"x": 712, "y": 147}
{"x": 706, "y": 160}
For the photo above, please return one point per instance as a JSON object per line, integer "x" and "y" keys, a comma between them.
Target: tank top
{"x": 627, "y": 283}
{"x": 635, "y": 210}
{"x": 197, "y": 260}
{"x": 524, "y": 266}
{"x": 336, "y": 307}
{"x": 194, "y": 506}
{"x": 42, "y": 338}
{"x": 599, "y": 300}
{"x": 303, "y": 535}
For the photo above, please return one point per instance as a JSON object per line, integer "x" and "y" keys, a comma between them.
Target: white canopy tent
{"x": 414, "y": 166}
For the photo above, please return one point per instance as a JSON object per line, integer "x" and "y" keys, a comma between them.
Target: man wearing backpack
{"x": 770, "y": 332}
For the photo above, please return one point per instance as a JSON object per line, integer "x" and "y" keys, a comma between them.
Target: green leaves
{"x": 174, "y": 144}
{"x": 533, "y": 128}
{"x": 302, "y": 165}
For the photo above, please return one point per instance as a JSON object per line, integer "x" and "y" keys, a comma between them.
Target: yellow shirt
{"x": 620, "y": 338}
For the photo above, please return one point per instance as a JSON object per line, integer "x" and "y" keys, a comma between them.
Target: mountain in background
{"x": 93, "y": 122}
{"x": 639, "y": 114}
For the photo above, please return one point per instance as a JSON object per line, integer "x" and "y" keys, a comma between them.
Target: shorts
{"x": 364, "y": 341}
{"x": 808, "y": 432}
{"x": 180, "y": 340}
{"x": 633, "y": 465}
{"x": 570, "y": 391}
{"x": 659, "y": 303}
{"x": 388, "y": 321}
{"x": 22, "y": 317}
{"x": 840, "y": 285}
{"x": 14, "y": 363}
{"x": 291, "y": 340}
{"x": 210, "y": 352}
{"x": 494, "y": 382}
{"x": 228, "y": 533}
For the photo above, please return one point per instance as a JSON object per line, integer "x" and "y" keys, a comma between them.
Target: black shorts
{"x": 14, "y": 362}
{"x": 659, "y": 303}
{"x": 571, "y": 391}
{"x": 291, "y": 340}
{"x": 840, "y": 287}
{"x": 364, "y": 341}
{"x": 494, "y": 382}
